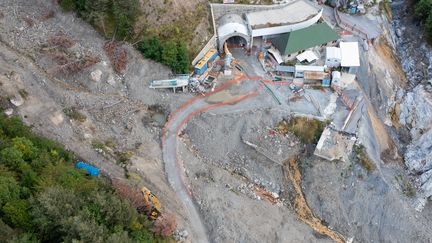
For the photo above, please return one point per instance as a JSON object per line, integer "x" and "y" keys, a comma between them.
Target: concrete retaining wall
{"x": 210, "y": 44}
{"x": 287, "y": 28}
{"x": 220, "y": 9}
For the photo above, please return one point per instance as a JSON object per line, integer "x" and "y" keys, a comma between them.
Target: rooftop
{"x": 303, "y": 39}
{"x": 294, "y": 12}
{"x": 350, "y": 54}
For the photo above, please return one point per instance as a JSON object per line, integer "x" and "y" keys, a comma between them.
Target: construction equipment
{"x": 180, "y": 81}
{"x": 153, "y": 209}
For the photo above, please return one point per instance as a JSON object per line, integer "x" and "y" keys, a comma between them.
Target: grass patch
{"x": 307, "y": 130}
{"x": 74, "y": 114}
{"x": 407, "y": 187}
{"x": 363, "y": 158}
{"x": 385, "y": 6}
{"x": 123, "y": 157}
{"x": 23, "y": 93}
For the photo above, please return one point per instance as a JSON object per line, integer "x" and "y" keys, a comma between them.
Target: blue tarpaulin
{"x": 91, "y": 170}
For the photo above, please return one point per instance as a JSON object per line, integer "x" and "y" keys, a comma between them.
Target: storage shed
{"x": 301, "y": 69}
{"x": 333, "y": 57}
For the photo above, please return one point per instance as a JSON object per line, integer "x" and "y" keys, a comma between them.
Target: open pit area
{"x": 242, "y": 161}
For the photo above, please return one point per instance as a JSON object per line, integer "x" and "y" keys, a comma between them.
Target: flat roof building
{"x": 350, "y": 54}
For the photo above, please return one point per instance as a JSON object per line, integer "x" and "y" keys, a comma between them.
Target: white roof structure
{"x": 309, "y": 56}
{"x": 292, "y": 13}
{"x": 276, "y": 55}
{"x": 333, "y": 53}
{"x": 232, "y": 23}
{"x": 301, "y": 68}
{"x": 350, "y": 54}
{"x": 342, "y": 80}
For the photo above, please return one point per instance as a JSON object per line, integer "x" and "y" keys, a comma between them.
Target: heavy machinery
{"x": 152, "y": 202}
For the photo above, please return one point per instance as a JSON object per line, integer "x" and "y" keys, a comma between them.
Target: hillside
{"x": 43, "y": 198}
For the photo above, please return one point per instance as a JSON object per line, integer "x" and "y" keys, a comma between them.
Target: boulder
{"x": 17, "y": 100}
{"x": 9, "y": 112}
{"x": 96, "y": 75}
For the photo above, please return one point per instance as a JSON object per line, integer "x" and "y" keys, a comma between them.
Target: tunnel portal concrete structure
{"x": 249, "y": 21}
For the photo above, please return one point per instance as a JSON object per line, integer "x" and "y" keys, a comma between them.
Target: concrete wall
{"x": 220, "y": 10}
{"x": 210, "y": 44}
{"x": 286, "y": 28}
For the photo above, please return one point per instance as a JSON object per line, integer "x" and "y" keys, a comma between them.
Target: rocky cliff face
{"x": 416, "y": 105}
{"x": 416, "y": 114}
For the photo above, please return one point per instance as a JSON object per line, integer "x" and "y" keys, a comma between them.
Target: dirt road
{"x": 173, "y": 166}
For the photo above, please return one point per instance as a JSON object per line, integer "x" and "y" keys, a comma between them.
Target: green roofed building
{"x": 299, "y": 40}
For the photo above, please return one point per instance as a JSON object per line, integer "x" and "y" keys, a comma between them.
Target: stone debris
{"x": 181, "y": 235}
{"x": 96, "y": 75}
{"x": 9, "y": 112}
{"x": 17, "y": 101}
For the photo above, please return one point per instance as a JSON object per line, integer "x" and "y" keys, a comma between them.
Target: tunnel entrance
{"x": 236, "y": 42}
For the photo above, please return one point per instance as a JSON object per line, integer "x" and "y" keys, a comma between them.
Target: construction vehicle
{"x": 153, "y": 208}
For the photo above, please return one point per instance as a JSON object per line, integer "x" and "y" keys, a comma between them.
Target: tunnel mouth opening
{"x": 236, "y": 42}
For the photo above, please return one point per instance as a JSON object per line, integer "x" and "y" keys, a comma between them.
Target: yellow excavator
{"x": 153, "y": 208}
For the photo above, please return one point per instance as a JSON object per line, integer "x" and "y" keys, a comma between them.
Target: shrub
{"x": 165, "y": 226}
{"x": 307, "y": 130}
{"x": 117, "y": 55}
{"x": 363, "y": 158}
{"x": 174, "y": 54}
{"x": 74, "y": 114}
{"x": 16, "y": 213}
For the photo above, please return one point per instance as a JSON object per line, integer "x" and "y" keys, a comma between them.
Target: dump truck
{"x": 154, "y": 207}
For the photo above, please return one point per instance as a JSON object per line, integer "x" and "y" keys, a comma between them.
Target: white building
{"x": 333, "y": 57}
{"x": 301, "y": 69}
{"x": 350, "y": 56}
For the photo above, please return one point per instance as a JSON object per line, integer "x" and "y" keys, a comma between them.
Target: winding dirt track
{"x": 173, "y": 166}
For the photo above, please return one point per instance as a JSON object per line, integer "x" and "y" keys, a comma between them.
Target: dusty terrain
{"x": 234, "y": 162}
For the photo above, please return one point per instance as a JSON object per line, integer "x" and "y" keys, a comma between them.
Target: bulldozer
{"x": 153, "y": 206}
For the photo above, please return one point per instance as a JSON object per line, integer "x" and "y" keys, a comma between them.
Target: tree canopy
{"x": 43, "y": 198}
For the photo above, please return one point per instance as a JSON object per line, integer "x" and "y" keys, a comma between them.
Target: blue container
{"x": 213, "y": 56}
{"x": 326, "y": 82}
{"x": 200, "y": 69}
{"x": 91, "y": 170}
{"x": 353, "y": 10}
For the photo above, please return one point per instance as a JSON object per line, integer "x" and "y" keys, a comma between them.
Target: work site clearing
{"x": 254, "y": 145}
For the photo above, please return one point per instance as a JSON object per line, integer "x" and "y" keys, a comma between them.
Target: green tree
{"x": 169, "y": 54}
{"x": 9, "y": 190}
{"x": 82, "y": 228}
{"x": 13, "y": 127}
{"x": 29, "y": 179}
{"x": 11, "y": 157}
{"x": 16, "y": 213}
{"x": 51, "y": 208}
{"x": 428, "y": 28}
{"x": 25, "y": 238}
{"x": 26, "y": 147}
{"x": 67, "y": 5}
{"x": 151, "y": 48}
{"x": 422, "y": 9}
{"x": 125, "y": 13}
{"x": 182, "y": 59}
